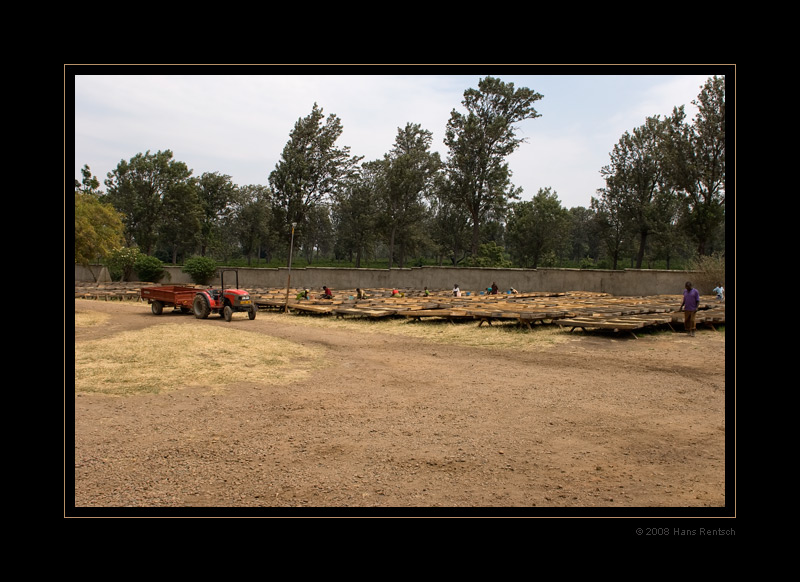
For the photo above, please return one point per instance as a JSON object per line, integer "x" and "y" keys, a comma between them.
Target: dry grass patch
{"x": 465, "y": 333}
{"x": 164, "y": 357}
{"x": 89, "y": 318}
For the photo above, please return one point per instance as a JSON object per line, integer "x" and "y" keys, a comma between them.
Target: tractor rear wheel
{"x": 201, "y": 307}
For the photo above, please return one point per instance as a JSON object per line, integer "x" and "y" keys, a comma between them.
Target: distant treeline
{"x": 663, "y": 204}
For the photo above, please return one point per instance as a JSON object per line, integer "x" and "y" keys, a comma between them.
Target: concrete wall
{"x": 626, "y": 282}
{"x": 96, "y": 273}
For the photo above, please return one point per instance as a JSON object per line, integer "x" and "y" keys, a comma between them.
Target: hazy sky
{"x": 238, "y": 125}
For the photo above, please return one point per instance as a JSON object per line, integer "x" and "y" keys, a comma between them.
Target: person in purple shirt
{"x": 691, "y": 299}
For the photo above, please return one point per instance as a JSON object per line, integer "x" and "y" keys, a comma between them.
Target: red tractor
{"x": 225, "y": 301}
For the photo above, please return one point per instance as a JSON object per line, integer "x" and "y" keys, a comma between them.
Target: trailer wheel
{"x": 200, "y": 306}
{"x": 227, "y": 312}
{"x": 252, "y": 313}
{"x": 157, "y": 307}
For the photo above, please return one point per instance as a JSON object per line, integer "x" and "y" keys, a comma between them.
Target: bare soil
{"x": 597, "y": 421}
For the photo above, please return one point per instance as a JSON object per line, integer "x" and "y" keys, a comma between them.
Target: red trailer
{"x": 170, "y": 295}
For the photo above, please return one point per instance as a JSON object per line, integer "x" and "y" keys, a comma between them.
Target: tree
{"x": 537, "y": 228}
{"x": 697, "y": 163}
{"x": 479, "y": 143}
{"x": 137, "y": 188}
{"x": 450, "y": 223}
{"x": 148, "y": 268}
{"x": 451, "y": 230}
{"x": 200, "y": 269}
{"x": 89, "y": 184}
{"x": 250, "y": 219}
{"x": 181, "y": 219}
{"x": 318, "y": 232}
{"x": 489, "y": 255}
{"x": 353, "y": 212}
{"x": 667, "y": 241}
{"x": 98, "y": 226}
{"x": 610, "y": 223}
{"x": 583, "y": 240}
{"x": 98, "y": 229}
{"x": 410, "y": 169}
{"x": 216, "y": 194}
{"x": 312, "y": 168}
{"x": 121, "y": 263}
{"x": 636, "y": 175}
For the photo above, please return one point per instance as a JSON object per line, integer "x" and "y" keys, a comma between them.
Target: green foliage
{"x": 479, "y": 143}
{"x": 137, "y": 190}
{"x": 353, "y": 214}
{"x": 98, "y": 228}
{"x": 408, "y": 175}
{"x": 538, "y": 230}
{"x": 312, "y": 168}
{"x": 148, "y": 268}
{"x": 200, "y": 269}
{"x": 697, "y": 164}
{"x": 711, "y": 272}
{"x": 489, "y": 255}
{"x": 406, "y": 209}
{"x": 121, "y": 263}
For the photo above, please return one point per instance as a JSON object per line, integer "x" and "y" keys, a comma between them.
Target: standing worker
{"x": 691, "y": 300}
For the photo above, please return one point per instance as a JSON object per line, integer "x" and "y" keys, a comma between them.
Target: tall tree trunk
{"x": 391, "y": 246}
{"x": 640, "y": 253}
{"x": 476, "y": 235}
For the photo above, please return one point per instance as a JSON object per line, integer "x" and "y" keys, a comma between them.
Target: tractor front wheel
{"x": 200, "y": 306}
{"x": 252, "y": 313}
{"x": 227, "y": 313}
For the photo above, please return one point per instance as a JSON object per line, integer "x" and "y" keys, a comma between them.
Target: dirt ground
{"x": 595, "y": 421}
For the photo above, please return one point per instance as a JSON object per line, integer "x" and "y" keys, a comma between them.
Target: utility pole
{"x": 289, "y": 279}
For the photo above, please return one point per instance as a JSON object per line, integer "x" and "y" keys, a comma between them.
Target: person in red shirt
{"x": 326, "y": 293}
{"x": 691, "y": 300}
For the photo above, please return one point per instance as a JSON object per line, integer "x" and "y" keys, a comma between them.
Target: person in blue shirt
{"x": 720, "y": 291}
